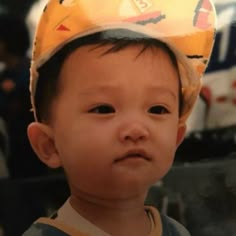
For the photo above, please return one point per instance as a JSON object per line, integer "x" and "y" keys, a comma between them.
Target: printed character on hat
{"x": 110, "y": 96}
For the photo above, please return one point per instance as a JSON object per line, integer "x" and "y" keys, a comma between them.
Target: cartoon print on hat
{"x": 152, "y": 18}
{"x": 67, "y": 2}
{"x": 187, "y": 27}
{"x": 203, "y": 11}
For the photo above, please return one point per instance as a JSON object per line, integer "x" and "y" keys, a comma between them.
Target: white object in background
{"x": 33, "y": 18}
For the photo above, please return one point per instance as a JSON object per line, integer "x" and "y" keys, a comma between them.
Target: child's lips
{"x": 134, "y": 154}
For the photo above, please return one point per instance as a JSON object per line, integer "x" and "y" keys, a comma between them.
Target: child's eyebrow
{"x": 113, "y": 89}
{"x": 162, "y": 91}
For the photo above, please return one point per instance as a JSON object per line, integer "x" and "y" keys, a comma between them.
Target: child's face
{"x": 115, "y": 122}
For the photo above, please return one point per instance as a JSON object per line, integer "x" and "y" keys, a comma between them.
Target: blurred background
{"x": 200, "y": 189}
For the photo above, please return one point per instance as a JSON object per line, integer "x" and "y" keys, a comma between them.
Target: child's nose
{"x": 134, "y": 132}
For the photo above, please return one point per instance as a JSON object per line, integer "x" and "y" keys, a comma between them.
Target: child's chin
{"x": 133, "y": 187}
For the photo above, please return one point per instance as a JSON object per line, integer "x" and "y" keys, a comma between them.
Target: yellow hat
{"x": 187, "y": 26}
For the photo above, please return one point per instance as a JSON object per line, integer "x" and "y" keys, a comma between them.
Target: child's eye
{"x": 158, "y": 110}
{"x": 102, "y": 109}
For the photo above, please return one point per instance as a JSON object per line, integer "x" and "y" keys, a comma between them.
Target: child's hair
{"x": 48, "y": 81}
{"x": 14, "y": 34}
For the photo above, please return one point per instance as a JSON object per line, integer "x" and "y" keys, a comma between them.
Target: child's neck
{"x": 115, "y": 217}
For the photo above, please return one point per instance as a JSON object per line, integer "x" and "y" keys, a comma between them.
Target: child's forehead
{"x": 106, "y": 67}
{"x": 100, "y": 58}
{"x": 94, "y": 73}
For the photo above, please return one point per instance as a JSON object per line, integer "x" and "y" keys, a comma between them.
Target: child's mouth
{"x": 134, "y": 154}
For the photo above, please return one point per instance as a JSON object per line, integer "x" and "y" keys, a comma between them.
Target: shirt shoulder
{"x": 40, "y": 229}
{"x": 172, "y": 227}
{"x": 165, "y": 226}
{"x": 51, "y": 227}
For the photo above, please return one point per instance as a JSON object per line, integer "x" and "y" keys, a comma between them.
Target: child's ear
{"x": 42, "y": 142}
{"x": 180, "y": 134}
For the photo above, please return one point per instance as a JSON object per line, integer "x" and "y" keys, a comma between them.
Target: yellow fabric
{"x": 188, "y": 26}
